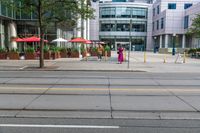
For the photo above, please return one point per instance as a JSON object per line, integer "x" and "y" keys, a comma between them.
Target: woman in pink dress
{"x": 120, "y": 54}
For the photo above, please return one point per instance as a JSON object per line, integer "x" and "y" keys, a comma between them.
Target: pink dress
{"x": 120, "y": 56}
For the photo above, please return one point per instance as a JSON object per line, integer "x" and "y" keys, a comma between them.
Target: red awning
{"x": 78, "y": 40}
{"x": 88, "y": 42}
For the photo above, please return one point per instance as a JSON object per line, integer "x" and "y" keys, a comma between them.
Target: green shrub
{"x": 107, "y": 48}
{"x": 82, "y": 49}
{"x": 62, "y": 49}
{"x": 94, "y": 49}
{"x": 74, "y": 49}
{"x": 46, "y": 49}
{"x": 198, "y": 49}
{"x": 54, "y": 49}
{"x": 192, "y": 51}
{"x": 30, "y": 50}
{"x": 14, "y": 50}
{"x": 2, "y": 50}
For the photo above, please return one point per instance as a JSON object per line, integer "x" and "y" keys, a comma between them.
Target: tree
{"x": 62, "y": 12}
{"x": 195, "y": 27}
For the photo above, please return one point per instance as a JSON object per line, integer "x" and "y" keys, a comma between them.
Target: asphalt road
{"x": 37, "y": 125}
{"x": 83, "y": 101}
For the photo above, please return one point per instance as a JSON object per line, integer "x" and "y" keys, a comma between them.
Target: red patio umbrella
{"x": 19, "y": 40}
{"x": 88, "y": 42}
{"x": 78, "y": 40}
{"x": 33, "y": 39}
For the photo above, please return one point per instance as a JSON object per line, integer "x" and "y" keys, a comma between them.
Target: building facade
{"x": 123, "y": 22}
{"x": 168, "y": 25}
{"x": 145, "y": 24}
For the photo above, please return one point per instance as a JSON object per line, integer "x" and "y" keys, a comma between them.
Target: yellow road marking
{"x": 101, "y": 89}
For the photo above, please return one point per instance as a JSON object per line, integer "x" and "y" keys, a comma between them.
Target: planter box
{"x": 75, "y": 55}
{"x": 84, "y": 54}
{"x": 3, "y": 56}
{"x": 94, "y": 53}
{"x": 30, "y": 56}
{"x": 63, "y": 54}
{"x": 13, "y": 56}
{"x": 47, "y": 55}
{"x": 55, "y": 55}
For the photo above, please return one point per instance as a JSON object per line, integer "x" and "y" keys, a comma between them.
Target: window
{"x": 123, "y": 27}
{"x": 153, "y": 26}
{"x": 187, "y": 5}
{"x": 123, "y": 12}
{"x": 186, "y": 22}
{"x": 158, "y": 9}
{"x": 139, "y": 26}
{"x": 118, "y": 0}
{"x": 157, "y": 24}
{"x": 139, "y": 13}
{"x": 172, "y": 6}
{"x": 162, "y": 23}
{"x": 107, "y": 12}
{"x": 154, "y": 12}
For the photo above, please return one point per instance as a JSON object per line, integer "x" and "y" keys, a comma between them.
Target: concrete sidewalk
{"x": 154, "y": 63}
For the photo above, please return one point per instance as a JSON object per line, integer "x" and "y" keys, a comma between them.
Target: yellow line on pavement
{"x": 99, "y": 89}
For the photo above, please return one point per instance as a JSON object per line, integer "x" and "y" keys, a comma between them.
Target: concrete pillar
{"x": 160, "y": 41}
{"x": 2, "y": 44}
{"x": 183, "y": 41}
{"x": 166, "y": 40}
{"x": 12, "y": 34}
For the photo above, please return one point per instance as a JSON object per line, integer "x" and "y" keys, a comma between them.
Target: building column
{"x": 183, "y": 41}
{"x": 160, "y": 41}
{"x": 166, "y": 41}
{"x": 12, "y": 34}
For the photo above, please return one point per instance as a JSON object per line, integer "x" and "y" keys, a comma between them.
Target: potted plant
{"x": 192, "y": 52}
{"x": 13, "y": 54}
{"x": 94, "y": 51}
{"x": 47, "y": 53}
{"x": 83, "y": 51}
{"x": 30, "y": 53}
{"x": 107, "y": 51}
{"x": 55, "y": 53}
{"x": 3, "y": 54}
{"x": 74, "y": 53}
{"x": 63, "y": 52}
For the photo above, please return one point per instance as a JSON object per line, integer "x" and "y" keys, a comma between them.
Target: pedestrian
{"x": 100, "y": 52}
{"x": 120, "y": 54}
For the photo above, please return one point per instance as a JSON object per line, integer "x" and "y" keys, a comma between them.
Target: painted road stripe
{"x": 100, "y": 89}
{"x": 59, "y": 126}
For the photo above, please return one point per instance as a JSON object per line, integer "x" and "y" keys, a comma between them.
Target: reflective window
{"x": 186, "y": 22}
{"x": 157, "y": 24}
{"x": 154, "y": 12}
{"x": 139, "y": 26}
{"x": 123, "y": 27}
{"x": 172, "y": 6}
{"x": 107, "y": 12}
{"x": 123, "y": 12}
{"x": 162, "y": 23}
{"x": 139, "y": 13}
{"x": 108, "y": 27}
{"x": 187, "y": 5}
{"x": 158, "y": 9}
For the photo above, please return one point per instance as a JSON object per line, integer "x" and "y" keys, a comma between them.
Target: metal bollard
{"x": 164, "y": 58}
{"x": 184, "y": 58}
{"x": 145, "y": 58}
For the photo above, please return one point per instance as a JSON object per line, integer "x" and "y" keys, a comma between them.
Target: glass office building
{"x": 123, "y": 24}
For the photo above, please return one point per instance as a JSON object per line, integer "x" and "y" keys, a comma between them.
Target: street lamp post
{"x": 129, "y": 44}
{"x": 173, "y": 47}
{"x": 155, "y": 44}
